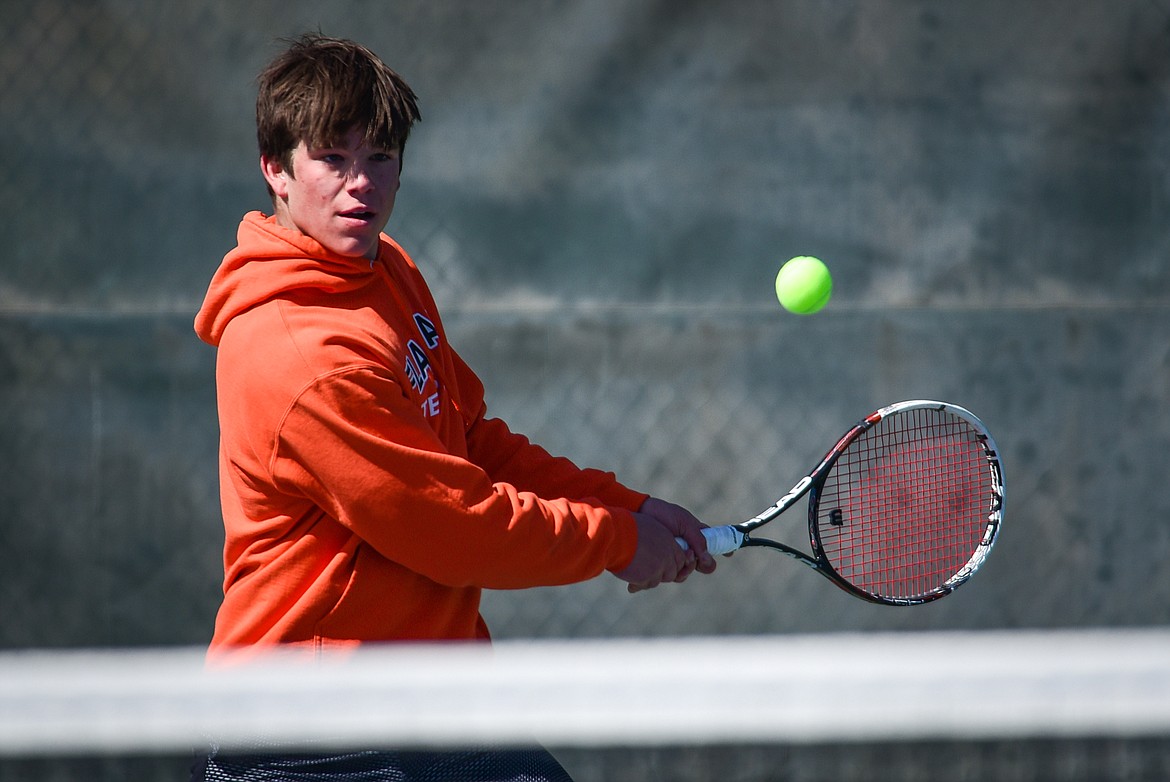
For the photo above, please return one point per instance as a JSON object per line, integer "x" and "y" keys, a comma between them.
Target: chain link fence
{"x": 599, "y": 194}
{"x": 128, "y": 158}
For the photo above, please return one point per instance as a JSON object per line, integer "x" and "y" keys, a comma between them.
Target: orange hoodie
{"x": 366, "y": 497}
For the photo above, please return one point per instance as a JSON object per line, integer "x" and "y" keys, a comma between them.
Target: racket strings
{"x": 906, "y": 506}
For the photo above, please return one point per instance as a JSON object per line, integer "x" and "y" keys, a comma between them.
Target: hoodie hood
{"x": 270, "y": 260}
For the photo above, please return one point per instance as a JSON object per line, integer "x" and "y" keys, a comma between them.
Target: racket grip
{"x": 720, "y": 540}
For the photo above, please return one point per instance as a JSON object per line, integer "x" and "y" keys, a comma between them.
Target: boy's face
{"x": 342, "y": 195}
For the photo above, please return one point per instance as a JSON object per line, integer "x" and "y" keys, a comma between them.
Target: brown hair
{"x": 320, "y": 88}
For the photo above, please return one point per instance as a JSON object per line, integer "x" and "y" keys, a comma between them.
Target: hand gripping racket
{"x": 902, "y": 510}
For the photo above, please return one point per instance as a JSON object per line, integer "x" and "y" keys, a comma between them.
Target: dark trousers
{"x": 479, "y": 765}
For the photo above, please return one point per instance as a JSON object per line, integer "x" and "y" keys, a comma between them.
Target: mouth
{"x": 358, "y": 214}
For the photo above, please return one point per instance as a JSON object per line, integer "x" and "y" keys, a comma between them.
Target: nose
{"x": 360, "y": 179}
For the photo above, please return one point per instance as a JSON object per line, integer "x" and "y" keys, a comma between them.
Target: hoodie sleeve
{"x": 353, "y": 444}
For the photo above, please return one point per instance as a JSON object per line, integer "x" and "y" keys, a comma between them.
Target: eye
{"x": 327, "y": 154}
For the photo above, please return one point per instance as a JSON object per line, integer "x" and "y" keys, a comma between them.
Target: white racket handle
{"x": 720, "y": 540}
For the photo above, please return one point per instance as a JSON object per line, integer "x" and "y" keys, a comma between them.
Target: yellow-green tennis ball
{"x": 804, "y": 285}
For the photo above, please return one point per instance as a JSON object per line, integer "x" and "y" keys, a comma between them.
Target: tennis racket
{"x": 902, "y": 510}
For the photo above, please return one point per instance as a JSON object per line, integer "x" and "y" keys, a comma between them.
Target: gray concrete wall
{"x": 600, "y": 194}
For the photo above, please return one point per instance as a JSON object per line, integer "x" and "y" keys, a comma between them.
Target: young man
{"x": 366, "y": 495}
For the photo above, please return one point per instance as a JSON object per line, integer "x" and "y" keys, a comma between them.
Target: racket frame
{"x": 812, "y": 484}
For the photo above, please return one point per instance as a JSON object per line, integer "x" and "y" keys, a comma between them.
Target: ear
{"x": 276, "y": 175}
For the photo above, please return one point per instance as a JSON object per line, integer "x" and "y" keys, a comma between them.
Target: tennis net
{"x": 723, "y": 696}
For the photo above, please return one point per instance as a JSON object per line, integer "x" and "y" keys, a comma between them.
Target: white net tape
{"x": 791, "y": 689}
